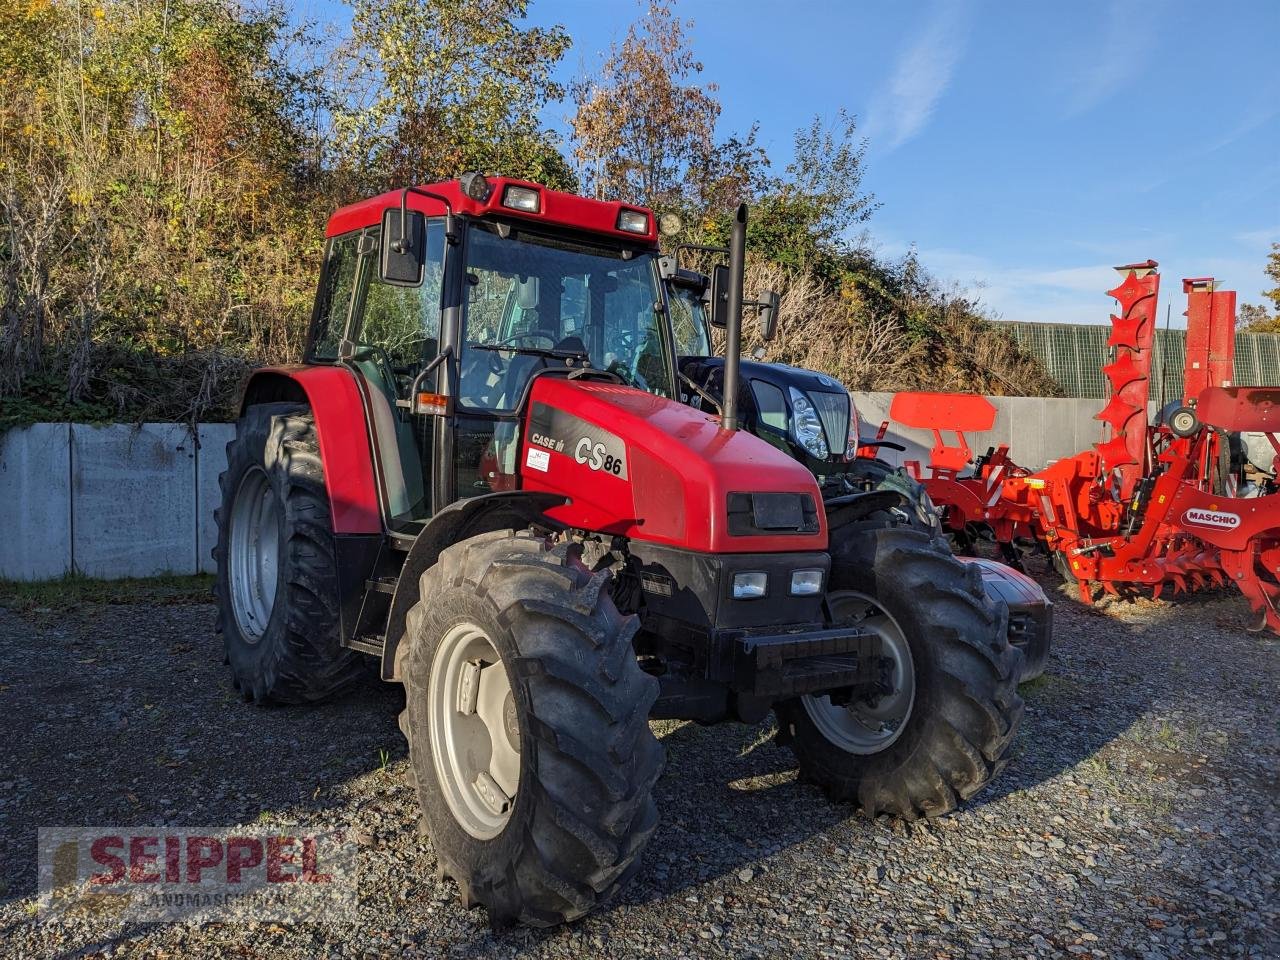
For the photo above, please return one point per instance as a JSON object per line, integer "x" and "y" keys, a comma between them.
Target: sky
{"x": 1024, "y": 148}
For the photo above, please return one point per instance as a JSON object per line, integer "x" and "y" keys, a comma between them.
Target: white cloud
{"x": 1107, "y": 66}
{"x": 902, "y": 106}
{"x": 1078, "y": 294}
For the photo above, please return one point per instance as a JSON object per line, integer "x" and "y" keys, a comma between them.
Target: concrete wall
{"x": 124, "y": 501}
{"x": 113, "y": 501}
{"x": 1038, "y": 430}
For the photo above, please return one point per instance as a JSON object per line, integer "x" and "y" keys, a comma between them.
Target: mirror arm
{"x": 401, "y": 245}
{"x": 701, "y": 247}
{"x": 425, "y": 372}
{"x": 704, "y": 394}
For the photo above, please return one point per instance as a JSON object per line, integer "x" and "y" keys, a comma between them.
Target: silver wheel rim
{"x": 859, "y": 727}
{"x": 475, "y": 735}
{"x": 254, "y": 553}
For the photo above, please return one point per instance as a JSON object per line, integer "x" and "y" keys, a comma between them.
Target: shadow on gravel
{"x": 729, "y": 798}
{"x": 126, "y": 716}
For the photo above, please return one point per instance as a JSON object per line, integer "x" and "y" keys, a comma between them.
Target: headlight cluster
{"x": 754, "y": 584}
{"x": 855, "y": 435}
{"x": 806, "y": 426}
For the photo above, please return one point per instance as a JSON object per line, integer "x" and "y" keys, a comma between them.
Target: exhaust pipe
{"x": 733, "y": 324}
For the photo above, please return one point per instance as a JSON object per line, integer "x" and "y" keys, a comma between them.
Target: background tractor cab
{"x": 808, "y": 415}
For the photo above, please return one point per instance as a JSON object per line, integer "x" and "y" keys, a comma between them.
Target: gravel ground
{"x": 1138, "y": 817}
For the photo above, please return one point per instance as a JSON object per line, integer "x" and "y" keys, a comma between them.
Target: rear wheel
{"x": 527, "y": 717}
{"x": 276, "y": 585}
{"x": 943, "y": 731}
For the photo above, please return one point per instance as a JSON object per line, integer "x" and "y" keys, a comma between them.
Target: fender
{"x": 341, "y": 430}
{"x": 459, "y": 520}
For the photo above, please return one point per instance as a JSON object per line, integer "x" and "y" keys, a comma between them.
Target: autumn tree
{"x": 644, "y": 121}
{"x": 1256, "y": 318}
{"x": 432, "y": 88}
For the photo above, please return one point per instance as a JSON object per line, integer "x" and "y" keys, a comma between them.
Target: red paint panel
{"x": 344, "y": 443}
{"x": 559, "y": 209}
{"x": 962, "y": 412}
{"x": 1243, "y": 409}
{"x": 1211, "y": 340}
{"x": 680, "y": 469}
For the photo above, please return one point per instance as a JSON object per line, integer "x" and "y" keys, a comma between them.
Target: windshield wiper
{"x": 549, "y": 354}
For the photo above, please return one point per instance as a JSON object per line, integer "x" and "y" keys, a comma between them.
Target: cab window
{"x": 689, "y": 322}
{"x": 335, "y": 295}
{"x": 531, "y": 302}
{"x": 402, "y": 322}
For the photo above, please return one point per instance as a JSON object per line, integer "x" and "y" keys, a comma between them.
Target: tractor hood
{"x": 641, "y": 466}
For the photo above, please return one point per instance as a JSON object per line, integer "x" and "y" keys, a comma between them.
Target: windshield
{"x": 544, "y": 300}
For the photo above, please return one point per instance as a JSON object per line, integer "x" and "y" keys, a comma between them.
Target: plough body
{"x": 1154, "y": 505}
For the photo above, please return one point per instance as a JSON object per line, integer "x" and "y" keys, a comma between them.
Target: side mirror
{"x": 718, "y": 309}
{"x": 401, "y": 259}
{"x": 768, "y": 317}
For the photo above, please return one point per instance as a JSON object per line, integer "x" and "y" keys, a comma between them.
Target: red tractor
{"x": 482, "y": 476}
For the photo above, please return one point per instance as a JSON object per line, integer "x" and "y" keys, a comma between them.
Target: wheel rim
{"x": 861, "y": 728}
{"x": 474, "y": 731}
{"x": 254, "y": 553}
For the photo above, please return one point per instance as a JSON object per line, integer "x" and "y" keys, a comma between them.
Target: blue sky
{"x": 1024, "y": 146}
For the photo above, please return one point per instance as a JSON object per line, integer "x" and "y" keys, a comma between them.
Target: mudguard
{"x": 1030, "y": 612}
{"x": 342, "y": 431}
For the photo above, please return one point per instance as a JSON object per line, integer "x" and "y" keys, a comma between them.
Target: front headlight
{"x": 806, "y": 427}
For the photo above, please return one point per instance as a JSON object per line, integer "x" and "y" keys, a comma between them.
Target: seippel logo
{"x": 1216, "y": 519}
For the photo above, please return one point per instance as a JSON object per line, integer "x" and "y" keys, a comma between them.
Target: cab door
{"x": 393, "y": 333}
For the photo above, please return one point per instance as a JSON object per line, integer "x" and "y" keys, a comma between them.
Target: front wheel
{"x": 951, "y": 710}
{"x": 527, "y": 717}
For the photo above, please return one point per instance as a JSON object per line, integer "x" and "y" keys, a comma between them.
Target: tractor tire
{"x": 536, "y": 791}
{"x": 955, "y": 674}
{"x": 918, "y": 513}
{"x": 276, "y": 585}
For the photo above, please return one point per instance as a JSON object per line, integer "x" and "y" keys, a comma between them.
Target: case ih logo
{"x": 1214, "y": 519}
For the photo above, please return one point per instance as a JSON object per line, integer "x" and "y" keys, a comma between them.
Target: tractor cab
{"x": 509, "y": 282}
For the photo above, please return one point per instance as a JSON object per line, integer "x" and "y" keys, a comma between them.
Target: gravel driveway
{"x": 1138, "y": 817}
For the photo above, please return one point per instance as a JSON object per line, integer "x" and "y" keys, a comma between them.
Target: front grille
{"x": 771, "y": 514}
{"x": 833, "y": 410}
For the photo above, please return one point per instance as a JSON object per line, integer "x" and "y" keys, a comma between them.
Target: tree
{"x": 644, "y": 122}
{"x": 1256, "y": 319}
{"x": 433, "y": 88}
{"x": 807, "y": 217}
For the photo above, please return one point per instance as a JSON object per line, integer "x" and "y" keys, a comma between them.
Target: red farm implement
{"x": 1156, "y": 504}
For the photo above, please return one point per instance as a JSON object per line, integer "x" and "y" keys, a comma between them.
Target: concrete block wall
{"x": 126, "y": 501}
{"x": 109, "y": 501}
{"x": 35, "y": 502}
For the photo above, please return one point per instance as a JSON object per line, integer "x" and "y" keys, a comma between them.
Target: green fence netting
{"x": 1074, "y": 355}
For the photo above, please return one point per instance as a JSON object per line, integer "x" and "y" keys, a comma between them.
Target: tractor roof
{"x": 554, "y": 208}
